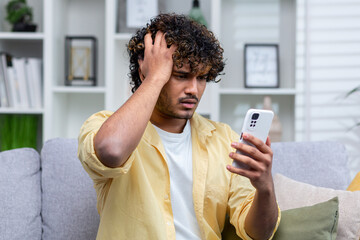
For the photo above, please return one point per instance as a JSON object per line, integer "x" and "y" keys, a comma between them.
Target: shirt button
{"x": 168, "y": 223}
{"x": 166, "y": 197}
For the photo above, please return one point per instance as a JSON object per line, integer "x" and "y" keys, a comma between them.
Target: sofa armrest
{"x": 20, "y": 194}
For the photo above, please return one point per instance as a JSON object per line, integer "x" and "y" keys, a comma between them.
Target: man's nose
{"x": 192, "y": 86}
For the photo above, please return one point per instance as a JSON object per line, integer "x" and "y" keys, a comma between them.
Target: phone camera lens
{"x": 255, "y": 116}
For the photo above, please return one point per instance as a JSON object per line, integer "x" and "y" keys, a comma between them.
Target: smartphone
{"x": 257, "y": 122}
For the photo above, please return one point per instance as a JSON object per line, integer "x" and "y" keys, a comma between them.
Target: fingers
{"x": 247, "y": 150}
{"x": 257, "y": 157}
{"x": 148, "y": 41}
{"x": 173, "y": 48}
{"x": 268, "y": 142}
{"x": 264, "y": 148}
{"x": 157, "y": 63}
{"x": 158, "y": 43}
{"x": 243, "y": 172}
{"x": 248, "y": 160}
{"x": 259, "y": 163}
{"x": 159, "y": 37}
{"x": 163, "y": 43}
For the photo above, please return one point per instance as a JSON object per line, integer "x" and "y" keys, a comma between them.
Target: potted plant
{"x": 351, "y": 139}
{"x": 19, "y": 14}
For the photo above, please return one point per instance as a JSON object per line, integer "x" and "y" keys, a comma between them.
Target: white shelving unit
{"x": 66, "y": 108}
{"x": 21, "y": 36}
{"x": 255, "y": 21}
{"x": 24, "y": 45}
{"x": 20, "y": 111}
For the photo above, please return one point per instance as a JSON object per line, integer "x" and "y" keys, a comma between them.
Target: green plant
{"x": 18, "y": 12}
{"x": 18, "y": 131}
{"x": 354, "y": 91}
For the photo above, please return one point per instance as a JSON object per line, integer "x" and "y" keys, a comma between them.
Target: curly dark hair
{"x": 196, "y": 45}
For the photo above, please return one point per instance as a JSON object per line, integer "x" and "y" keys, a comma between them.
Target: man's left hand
{"x": 259, "y": 160}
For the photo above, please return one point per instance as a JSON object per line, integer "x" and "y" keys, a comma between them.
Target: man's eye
{"x": 181, "y": 76}
{"x": 202, "y": 77}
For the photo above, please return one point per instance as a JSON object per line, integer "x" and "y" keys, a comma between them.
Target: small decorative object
{"x": 134, "y": 14}
{"x": 19, "y": 14}
{"x": 275, "y": 132}
{"x": 80, "y": 60}
{"x": 261, "y": 66}
{"x": 196, "y": 13}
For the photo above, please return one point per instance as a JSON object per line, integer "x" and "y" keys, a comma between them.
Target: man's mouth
{"x": 189, "y": 102}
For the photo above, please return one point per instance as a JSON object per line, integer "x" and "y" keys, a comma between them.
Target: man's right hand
{"x": 116, "y": 140}
{"x": 158, "y": 62}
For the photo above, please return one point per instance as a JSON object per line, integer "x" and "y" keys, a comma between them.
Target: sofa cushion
{"x": 313, "y": 222}
{"x": 323, "y": 164}
{"x": 293, "y": 194}
{"x": 69, "y": 199}
{"x": 20, "y": 198}
{"x": 316, "y": 222}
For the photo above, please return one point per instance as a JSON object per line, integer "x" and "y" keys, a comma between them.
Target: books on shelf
{"x": 20, "y": 82}
{"x": 4, "y": 91}
{"x": 33, "y": 70}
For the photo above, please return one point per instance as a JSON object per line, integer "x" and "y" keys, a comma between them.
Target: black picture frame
{"x": 261, "y": 65}
{"x": 77, "y": 74}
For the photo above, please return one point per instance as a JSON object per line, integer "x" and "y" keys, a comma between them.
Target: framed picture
{"x": 80, "y": 60}
{"x": 261, "y": 66}
{"x": 134, "y": 14}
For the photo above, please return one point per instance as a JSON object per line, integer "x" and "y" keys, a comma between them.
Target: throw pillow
{"x": 355, "y": 184}
{"x": 292, "y": 194}
{"x": 317, "y": 222}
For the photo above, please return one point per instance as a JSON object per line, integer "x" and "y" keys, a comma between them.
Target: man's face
{"x": 180, "y": 96}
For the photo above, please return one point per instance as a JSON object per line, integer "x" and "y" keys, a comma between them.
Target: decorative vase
{"x": 24, "y": 27}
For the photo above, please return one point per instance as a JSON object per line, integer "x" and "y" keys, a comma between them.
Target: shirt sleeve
{"x": 86, "y": 152}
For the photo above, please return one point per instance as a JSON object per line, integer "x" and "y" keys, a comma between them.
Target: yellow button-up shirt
{"x": 134, "y": 200}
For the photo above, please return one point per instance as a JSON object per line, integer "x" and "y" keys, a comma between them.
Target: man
{"x": 160, "y": 170}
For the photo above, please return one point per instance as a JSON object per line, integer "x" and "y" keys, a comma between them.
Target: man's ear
{"x": 141, "y": 75}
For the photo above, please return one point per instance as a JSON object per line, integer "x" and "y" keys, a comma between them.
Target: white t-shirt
{"x": 178, "y": 150}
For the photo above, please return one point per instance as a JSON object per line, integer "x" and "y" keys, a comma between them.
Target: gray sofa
{"x": 50, "y": 196}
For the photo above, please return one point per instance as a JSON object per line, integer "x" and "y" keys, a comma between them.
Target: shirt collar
{"x": 203, "y": 127}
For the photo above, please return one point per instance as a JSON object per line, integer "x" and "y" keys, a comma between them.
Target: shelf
{"x": 71, "y": 89}
{"x": 21, "y": 111}
{"x": 21, "y": 36}
{"x": 123, "y": 36}
{"x": 257, "y": 91}
{"x": 67, "y": 107}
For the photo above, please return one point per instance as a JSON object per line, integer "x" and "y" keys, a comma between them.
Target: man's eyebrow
{"x": 186, "y": 72}
{"x": 180, "y": 72}
{"x": 204, "y": 75}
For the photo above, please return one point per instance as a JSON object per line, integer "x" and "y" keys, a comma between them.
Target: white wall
{"x": 327, "y": 67}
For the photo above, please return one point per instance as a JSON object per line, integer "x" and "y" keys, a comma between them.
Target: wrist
{"x": 156, "y": 80}
{"x": 267, "y": 189}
